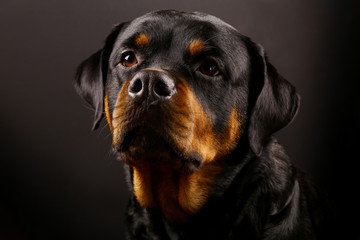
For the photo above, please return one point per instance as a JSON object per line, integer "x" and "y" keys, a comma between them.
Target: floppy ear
{"x": 91, "y": 76}
{"x": 276, "y": 102}
{"x": 89, "y": 84}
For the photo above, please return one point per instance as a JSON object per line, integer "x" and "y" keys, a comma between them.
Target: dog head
{"x": 179, "y": 91}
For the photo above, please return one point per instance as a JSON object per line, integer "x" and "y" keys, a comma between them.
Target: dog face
{"x": 179, "y": 91}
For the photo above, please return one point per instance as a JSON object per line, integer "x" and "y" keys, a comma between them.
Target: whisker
{"x": 88, "y": 107}
{"x": 103, "y": 127}
{"x": 211, "y": 38}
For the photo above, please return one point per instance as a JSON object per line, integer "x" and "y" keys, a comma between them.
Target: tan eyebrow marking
{"x": 142, "y": 40}
{"x": 196, "y": 47}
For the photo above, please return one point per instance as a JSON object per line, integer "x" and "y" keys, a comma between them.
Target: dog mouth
{"x": 144, "y": 143}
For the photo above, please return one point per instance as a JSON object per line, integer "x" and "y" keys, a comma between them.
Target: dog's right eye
{"x": 209, "y": 68}
{"x": 128, "y": 59}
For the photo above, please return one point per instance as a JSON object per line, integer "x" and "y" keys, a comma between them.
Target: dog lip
{"x": 141, "y": 136}
{"x": 144, "y": 142}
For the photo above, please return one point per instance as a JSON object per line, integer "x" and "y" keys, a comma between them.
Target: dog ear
{"x": 275, "y": 102}
{"x": 91, "y": 76}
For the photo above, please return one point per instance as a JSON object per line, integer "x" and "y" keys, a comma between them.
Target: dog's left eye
{"x": 128, "y": 59}
{"x": 210, "y": 68}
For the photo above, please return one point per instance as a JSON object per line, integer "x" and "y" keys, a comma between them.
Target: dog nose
{"x": 151, "y": 86}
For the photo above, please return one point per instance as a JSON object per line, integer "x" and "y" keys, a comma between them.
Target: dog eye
{"x": 210, "y": 68}
{"x": 128, "y": 59}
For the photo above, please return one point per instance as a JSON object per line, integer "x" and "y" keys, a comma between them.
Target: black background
{"x": 58, "y": 180}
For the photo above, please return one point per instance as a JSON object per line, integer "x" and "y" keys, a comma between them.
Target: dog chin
{"x": 144, "y": 145}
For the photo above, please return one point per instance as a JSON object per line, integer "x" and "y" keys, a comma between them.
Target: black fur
{"x": 259, "y": 194}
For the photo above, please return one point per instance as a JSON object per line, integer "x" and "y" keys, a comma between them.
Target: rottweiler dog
{"x": 192, "y": 106}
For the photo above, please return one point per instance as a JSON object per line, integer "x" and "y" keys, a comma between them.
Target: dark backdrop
{"x": 58, "y": 180}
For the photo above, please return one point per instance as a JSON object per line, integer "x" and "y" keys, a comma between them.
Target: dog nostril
{"x": 153, "y": 87}
{"x": 162, "y": 89}
{"x": 136, "y": 86}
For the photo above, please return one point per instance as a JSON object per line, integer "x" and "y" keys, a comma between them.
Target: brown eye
{"x": 128, "y": 59}
{"x": 210, "y": 68}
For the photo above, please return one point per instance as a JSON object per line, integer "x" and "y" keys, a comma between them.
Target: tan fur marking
{"x": 194, "y": 188}
{"x": 107, "y": 112}
{"x": 142, "y": 40}
{"x": 166, "y": 189}
{"x": 196, "y": 47}
{"x": 143, "y": 185}
{"x": 232, "y": 132}
{"x": 202, "y": 139}
{"x": 120, "y": 112}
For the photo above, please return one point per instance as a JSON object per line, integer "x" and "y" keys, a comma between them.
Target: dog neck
{"x": 178, "y": 195}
